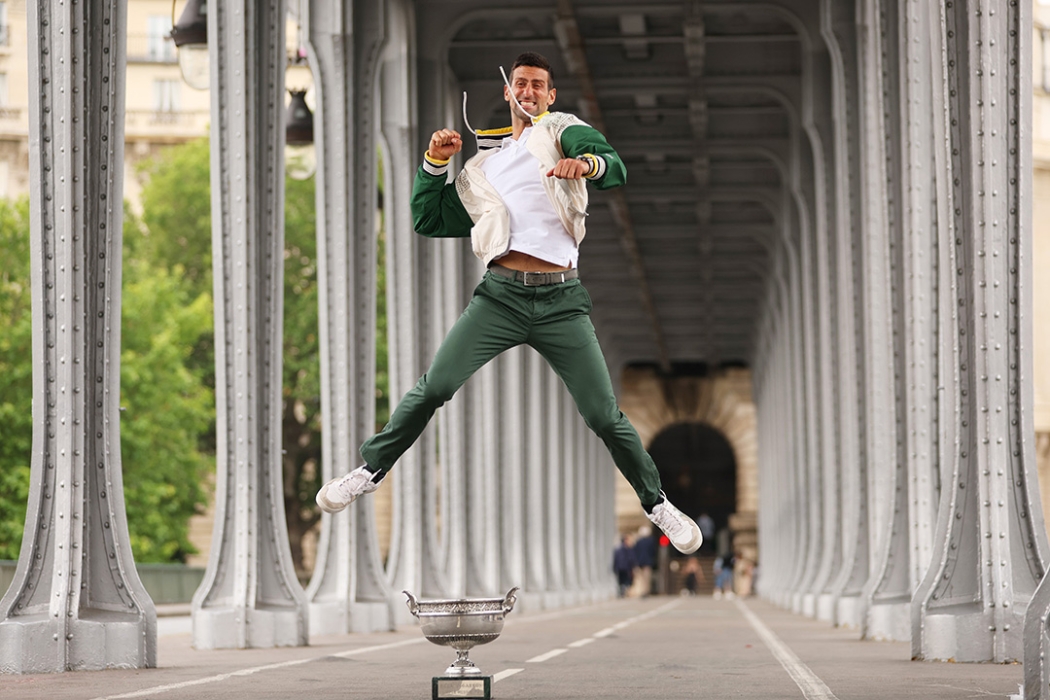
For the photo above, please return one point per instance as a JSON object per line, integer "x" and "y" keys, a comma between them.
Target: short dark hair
{"x": 534, "y": 60}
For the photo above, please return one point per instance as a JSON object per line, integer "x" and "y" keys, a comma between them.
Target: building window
{"x": 3, "y": 90}
{"x": 1044, "y": 57}
{"x": 5, "y": 29}
{"x": 160, "y": 47}
{"x": 166, "y": 96}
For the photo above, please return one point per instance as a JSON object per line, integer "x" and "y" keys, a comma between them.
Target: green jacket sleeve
{"x": 607, "y": 170}
{"x": 436, "y": 209}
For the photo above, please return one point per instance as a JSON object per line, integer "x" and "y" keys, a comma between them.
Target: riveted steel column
{"x": 76, "y": 602}
{"x": 554, "y": 431}
{"x": 819, "y": 78}
{"x": 569, "y": 496}
{"x": 510, "y": 437}
{"x": 607, "y": 532}
{"x": 803, "y": 601}
{"x": 453, "y": 429}
{"x": 921, "y": 268}
{"x": 536, "y": 524}
{"x": 578, "y": 510}
{"x": 888, "y": 590}
{"x": 796, "y": 399}
{"x": 250, "y": 596}
{"x": 432, "y": 330}
{"x": 879, "y": 158}
{"x": 414, "y": 315}
{"x": 347, "y": 591}
{"x": 990, "y": 545}
{"x": 483, "y": 484}
{"x": 778, "y": 524}
{"x": 599, "y": 467}
{"x": 840, "y": 601}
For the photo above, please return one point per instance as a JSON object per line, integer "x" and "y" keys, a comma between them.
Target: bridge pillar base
{"x": 95, "y": 642}
{"x": 826, "y": 607}
{"x": 848, "y": 611}
{"x": 968, "y": 637}
{"x": 328, "y": 617}
{"x": 247, "y": 628}
{"x": 889, "y": 622}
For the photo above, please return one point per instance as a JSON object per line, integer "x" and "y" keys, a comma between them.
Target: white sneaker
{"x": 337, "y": 494}
{"x": 679, "y": 527}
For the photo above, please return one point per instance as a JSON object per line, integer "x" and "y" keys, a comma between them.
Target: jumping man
{"x": 522, "y": 200}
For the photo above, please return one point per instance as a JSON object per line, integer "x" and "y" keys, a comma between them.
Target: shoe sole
{"x": 324, "y": 504}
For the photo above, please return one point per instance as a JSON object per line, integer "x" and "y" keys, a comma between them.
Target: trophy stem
{"x": 462, "y": 666}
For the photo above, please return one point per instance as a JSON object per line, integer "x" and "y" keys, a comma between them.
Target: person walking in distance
{"x": 522, "y": 200}
{"x": 624, "y": 564}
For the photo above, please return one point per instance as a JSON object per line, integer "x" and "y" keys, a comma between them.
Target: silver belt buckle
{"x": 525, "y": 278}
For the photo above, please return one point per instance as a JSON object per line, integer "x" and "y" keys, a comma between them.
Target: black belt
{"x": 535, "y": 279}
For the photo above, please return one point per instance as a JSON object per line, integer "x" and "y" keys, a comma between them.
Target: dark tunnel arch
{"x": 698, "y": 470}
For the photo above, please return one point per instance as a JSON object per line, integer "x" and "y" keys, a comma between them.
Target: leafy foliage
{"x": 16, "y": 387}
{"x": 167, "y": 407}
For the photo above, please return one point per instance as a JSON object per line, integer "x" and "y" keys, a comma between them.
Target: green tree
{"x": 16, "y": 380}
{"x": 165, "y": 404}
{"x": 301, "y": 391}
{"x": 166, "y": 408}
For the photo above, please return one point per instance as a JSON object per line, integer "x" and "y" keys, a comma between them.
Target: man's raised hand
{"x": 444, "y": 144}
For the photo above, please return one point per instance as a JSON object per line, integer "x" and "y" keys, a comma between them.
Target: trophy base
{"x": 462, "y": 687}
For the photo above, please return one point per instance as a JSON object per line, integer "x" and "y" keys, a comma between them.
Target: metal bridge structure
{"x": 833, "y": 194}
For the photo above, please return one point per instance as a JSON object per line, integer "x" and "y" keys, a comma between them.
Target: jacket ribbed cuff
{"x": 433, "y": 166}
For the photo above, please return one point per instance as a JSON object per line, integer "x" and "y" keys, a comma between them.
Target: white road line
{"x": 581, "y": 642}
{"x": 637, "y": 618}
{"x": 256, "y": 669}
{"x": 506, "y": 674}
{"x": 811, "y": 686}
{"x": 543, "y": 657}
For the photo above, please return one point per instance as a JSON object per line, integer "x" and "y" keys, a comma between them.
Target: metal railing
{"x": 165, "y": 583}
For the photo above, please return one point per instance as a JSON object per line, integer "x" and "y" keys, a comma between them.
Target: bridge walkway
{"x": 666, "y": 648}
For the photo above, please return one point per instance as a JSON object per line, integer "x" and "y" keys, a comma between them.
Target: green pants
{"x": 554, "y": 320}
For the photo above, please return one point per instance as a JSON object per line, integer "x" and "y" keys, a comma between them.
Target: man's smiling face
{"x": 532, "y": 90}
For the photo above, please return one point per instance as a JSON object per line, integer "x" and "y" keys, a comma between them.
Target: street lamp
{"x": 191, "y": 39}
{"x": 300, "y": 156}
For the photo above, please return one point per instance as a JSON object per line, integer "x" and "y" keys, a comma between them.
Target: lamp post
{"x": 191, "y": 39}
{"x": 300, "y": 156}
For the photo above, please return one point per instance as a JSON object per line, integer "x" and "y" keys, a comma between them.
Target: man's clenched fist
{"x": 569, "y": 169}
{"x": 444, "y": 144}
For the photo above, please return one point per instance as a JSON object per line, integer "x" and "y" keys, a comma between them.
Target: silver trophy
{"x": 462, "y": 624}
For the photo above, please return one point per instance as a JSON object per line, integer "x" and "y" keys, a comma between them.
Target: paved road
{"x": 666, "y": 648}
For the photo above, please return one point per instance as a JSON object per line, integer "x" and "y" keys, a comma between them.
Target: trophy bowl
{"x": 462, "y": 624}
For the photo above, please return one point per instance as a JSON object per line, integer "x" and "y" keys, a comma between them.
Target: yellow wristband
{"x": 435, "y": 161}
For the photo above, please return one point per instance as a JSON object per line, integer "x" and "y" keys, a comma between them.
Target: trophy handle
{"x": 413, "y": 604}
{"x": 510, "y": 600}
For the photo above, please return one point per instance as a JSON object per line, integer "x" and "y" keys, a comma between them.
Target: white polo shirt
{"x": 535, "y": 228}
